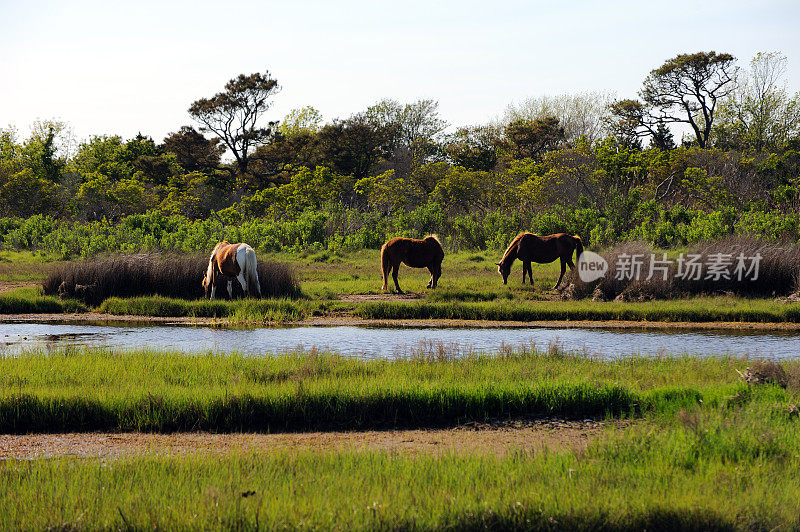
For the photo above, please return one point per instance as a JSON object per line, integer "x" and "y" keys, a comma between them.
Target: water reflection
{"x": 373, "y": 342}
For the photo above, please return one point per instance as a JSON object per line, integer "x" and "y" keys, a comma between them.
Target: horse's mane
{"x": 511, "y": 245}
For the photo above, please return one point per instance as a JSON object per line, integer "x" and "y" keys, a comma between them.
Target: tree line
{"x": 555, "y": 156}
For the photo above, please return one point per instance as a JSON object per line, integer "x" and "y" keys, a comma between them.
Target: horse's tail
{"x": 578, "y": 247}
{"x": 385, "y": 264}
{"x": 253, "y": 284}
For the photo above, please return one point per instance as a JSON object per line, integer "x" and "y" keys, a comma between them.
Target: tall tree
{"x": 474, "y": 147}
{"x": 531, "y": 138}
{"x": 630, "y": 121}
{"x": 687, "y": 88}
{"x": 353, "y": 146}
{"x": 760, "y": 114}
{"x": 581, "y": 114}
{"x": 234, "y": 114}
{"x": 194, "y": 151}
{"x": 414, "y": 128}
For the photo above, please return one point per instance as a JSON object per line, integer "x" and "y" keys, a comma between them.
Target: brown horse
{"x": 229, "y": 261}
{"x": 425, "y": 253}
{"x": 528, "y": 248}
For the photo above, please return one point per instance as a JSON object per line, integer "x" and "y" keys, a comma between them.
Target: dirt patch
{"x": 8, "y": 286}
{"x": 481, "y": 438}
{"x": 364, "y": 298}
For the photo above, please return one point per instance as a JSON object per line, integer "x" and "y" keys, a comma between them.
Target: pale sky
{"x": 108, "y": 67}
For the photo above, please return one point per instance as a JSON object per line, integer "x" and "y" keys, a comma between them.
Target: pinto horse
{"x": 528, "y": 248}
{"x": 229, "y": 261}
{"x": 425, "y": 253}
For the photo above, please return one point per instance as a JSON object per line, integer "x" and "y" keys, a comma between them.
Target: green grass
{"x": 708, "y": 453}
{"x": 80, "y": 390}
{"x": 684, "y": 310}
{"x": 240, "y": 310}
{"x": 466, "y": 273}
{"x": 31, "y": 301}
{"x": 369, "y": 491}
{"x": 20, "y": 266}
{"x": 709, "y": 468}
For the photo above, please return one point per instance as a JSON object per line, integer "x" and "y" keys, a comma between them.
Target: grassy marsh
{"x": 471, "y": 289}
{"x": 710, "y": 452}
{"x": 97, "y": 389}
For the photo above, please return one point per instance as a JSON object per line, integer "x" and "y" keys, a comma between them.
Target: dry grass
{"x": 778, "y": 272}
{"x": 771, "y": 372}
{"x": 154, "y": 274}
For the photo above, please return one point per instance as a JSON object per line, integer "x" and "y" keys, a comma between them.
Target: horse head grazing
{"x": 504, "y": 270}
{"x": 530, "y": 248}
{"x": 208, "y": 278}
{"x": 509, "y": 256}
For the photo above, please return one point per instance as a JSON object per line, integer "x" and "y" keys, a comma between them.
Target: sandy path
{"x": 531, "y": 436}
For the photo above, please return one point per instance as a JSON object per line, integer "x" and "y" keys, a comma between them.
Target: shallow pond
{"x": 374, "y": 342}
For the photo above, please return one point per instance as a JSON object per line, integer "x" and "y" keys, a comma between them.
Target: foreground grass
{"x": 400, "y": 492}
{"x": 85, "y": 390}
{"x": 732, "y": 466}
{"x": 708, "y": 453}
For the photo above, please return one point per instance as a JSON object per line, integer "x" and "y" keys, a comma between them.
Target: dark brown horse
{"x": 528, "y": 248}
{"x": 425, "y": 253}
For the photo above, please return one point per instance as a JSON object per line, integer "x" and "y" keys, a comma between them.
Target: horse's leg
{"x": 525, "y": 265}
{"x": 529, "y": 266}
{"x": 243, "y": 283}
{"x": 430, "y": 283}
{"x": 563, "y": 269}
{"x": 213, "y": 290}
{"x": 395, "y": 269}
{"x": 436, "y": 273}
{"x": 571, "y": 267}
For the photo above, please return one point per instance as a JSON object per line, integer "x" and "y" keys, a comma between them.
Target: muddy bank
{"x": 497, "y": 438}
{"x": 344, "y": 320}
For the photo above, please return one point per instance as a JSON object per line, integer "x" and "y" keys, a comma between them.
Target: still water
{"x": 374, "y": 342}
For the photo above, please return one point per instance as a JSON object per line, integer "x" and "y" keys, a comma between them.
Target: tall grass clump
{"x": 238, "y": 311}
{"x": 25, "y": 303}
{"x": 778, "y": 271}
{"x": 147, "y": 274}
